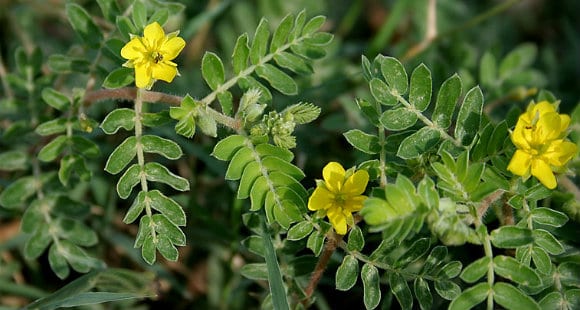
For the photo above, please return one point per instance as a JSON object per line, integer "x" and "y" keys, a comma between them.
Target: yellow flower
{"x": 541, "y": 148}
{"x": 339, "y": 195}
{"x": 152, "y": 55}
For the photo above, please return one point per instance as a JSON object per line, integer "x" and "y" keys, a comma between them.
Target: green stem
{"x": 382, "y": 156}
{"x": 490, "y": 271}
{"x": 428, "y": 122}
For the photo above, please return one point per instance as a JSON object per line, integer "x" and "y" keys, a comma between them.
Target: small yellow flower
{"x": 339, "y": 195}
{"x": 152, "y": 55}
{"x": 541, "y": 149}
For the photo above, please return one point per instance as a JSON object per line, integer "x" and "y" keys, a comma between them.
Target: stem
{"x": 419, "y": 48}
{"x": 383, "y": 156}
{"x": 7, "y": 89}
{"x": 323, "y": 260}
{"x": 141, "y": 157}
{"x": 490, "y": 271}
{"x": 427, "y": 121}
{"x": 130, "y": 93}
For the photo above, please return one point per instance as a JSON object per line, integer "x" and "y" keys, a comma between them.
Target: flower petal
{"x": 172, "y": 48}
{"x": 154, "y": 35}
{"x": 164, "y": 71}
{"x": 355, "y": 203}
{"x": 542, "y": 171}
{"x": 143, "y": 76}
{"x": 356, "y": 184}
{"x": 520, "y": 163}
{"x": 320, "y": 199}
{"x": 338, "y": 220}
{"x": 133, "y": 49}
{"x": 333, "y": 174}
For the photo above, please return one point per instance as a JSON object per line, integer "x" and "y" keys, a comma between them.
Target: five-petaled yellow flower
{"x": 541, "y": 149}
{"x": 339, "y": 195}
{"x": 152, "y": 55}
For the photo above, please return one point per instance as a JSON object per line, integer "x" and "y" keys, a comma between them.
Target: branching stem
{"x": 323, "y": 260}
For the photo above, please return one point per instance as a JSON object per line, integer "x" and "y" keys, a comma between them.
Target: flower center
{"x": 157, "y": 57}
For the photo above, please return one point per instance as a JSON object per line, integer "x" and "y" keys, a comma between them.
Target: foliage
{"x": 218, "y": 166}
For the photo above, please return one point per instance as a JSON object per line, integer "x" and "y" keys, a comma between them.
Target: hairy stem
{"x": 130, "y": 93}
{"x": 323, "y": 260}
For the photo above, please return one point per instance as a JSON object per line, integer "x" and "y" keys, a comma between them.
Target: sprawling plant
{"x": 436, "y": 175}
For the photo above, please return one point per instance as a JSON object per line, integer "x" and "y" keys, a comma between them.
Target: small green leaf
{"x": 128, "y": 180}
{"x": 57, "y": 262}
{"x": 278, "y": 79}
{"x": 51, "y": 151}
{"x": 510, "y": 297}
{"x": 83, "y": 25}
{"x": 434, "y": 259}
{"x": 381, "y": 92}
{"x": 255, "y": 244}
{"x": 281, "y": 34}
{"x": 258, "y": 193}
{"x": 471, "y": 297}
{"x": 119, "y": 77}
{"x": 85, "y": 147}
{"x": 38, "y": 242}
{"x": 313, "y": 25}
{"x": 239, "y": 161}
{"x": 423, "y": 293}
{"x": 550, "y": 217}
{"x": 518, "y": 59}
{"x": 255, "y": 271}
{"x": 167, "y": 206}
{"x": 395, "y": 75}
{"x": 347, "y": 273}
{"x": 118, "y": 118}
{"x": 476, "y": 270}
{"x": 418, "y": 143}
{"x": 356, "y": 240}
{"x": 160, "y": 16}
{"x": 148, "y": 251}
{"x": 299, "y": 231}
{"x": 125, "y": 26}
{"x": 401, "y": 290}
{"x": 446, "y": 100}
{"x": 241, "y": 53}
{"x": 13, "y": 160}
{"x": 569, "y": 273}
{"x": 447, "y": 289}
{"x": 415, "y": 251}
{"x": 67, "y": 64}
{"x": 363, "y": 141}
{"x": 122, "y": 156}
{"x": 226, "y": 148}
{"x": 76, "y": 232}
{"x": 166, "y": 228}
{"x": 541, "y": 260}
{"x": 319, "y": 39}
{"x": 420, "y": 89}
{"x": 398, "y": 119}
{"x": 139, "y": 14}
{"x": 212, "y": 70}
{"x": 488, "y": 70}
{"x": 73, "y": 163}
{"x": 55, "y": 99}
{"x": 226, "y": 102}
{"x": 547, "y": 241}
{"x": 52, "y": 127}
{"x": 260, "y": 42}
{"x": 156, "y": 172}
{"x": 371, "y": 286}
{"x": 293, "y": 63}
{"x": 315, "y": 242}
{"x": 510, "y": 268}
{"x": 166, "y": 248}
{"x": 469, "y": 116}
{"x": 136, "y": 208}
{"x": 538, "y": 192}
{"x": 451, "y": 269}
{"x": 510, "y": 237}
{"x": 158, "y": 145}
